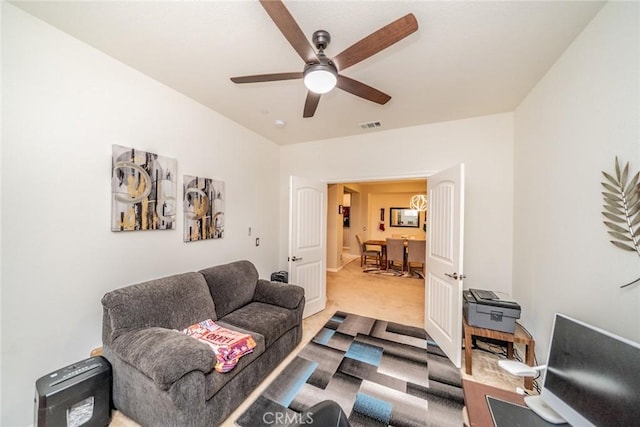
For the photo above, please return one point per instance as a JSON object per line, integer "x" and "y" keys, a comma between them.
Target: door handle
{"x": 455, "y": 276}
{"x": 295, "y": 258}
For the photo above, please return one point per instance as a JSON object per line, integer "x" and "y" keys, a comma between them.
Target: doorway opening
{"x": 364, "y": 208}
{"x": 443, "y": 312}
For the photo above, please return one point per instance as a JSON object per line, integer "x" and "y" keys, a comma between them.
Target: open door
{"x": 307, "y": 241}
{"x": 443, "y": 305}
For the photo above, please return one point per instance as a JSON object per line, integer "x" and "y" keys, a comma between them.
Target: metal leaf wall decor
{"x": 622, "y": 209}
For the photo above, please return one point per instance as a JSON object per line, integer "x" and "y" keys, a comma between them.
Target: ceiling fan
{"x": 320, "y": 73}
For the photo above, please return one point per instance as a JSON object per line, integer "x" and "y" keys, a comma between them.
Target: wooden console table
{"x": 520, "y": 336}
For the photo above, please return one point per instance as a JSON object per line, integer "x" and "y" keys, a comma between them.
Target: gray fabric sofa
{"x": 162, "y": 377}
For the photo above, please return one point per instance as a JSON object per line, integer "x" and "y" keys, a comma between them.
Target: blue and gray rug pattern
{"x": 381, "y": 373}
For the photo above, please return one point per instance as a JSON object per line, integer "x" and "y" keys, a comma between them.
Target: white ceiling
{"x": 467, "y": 59}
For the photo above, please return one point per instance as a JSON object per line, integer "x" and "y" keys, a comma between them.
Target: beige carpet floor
{"x": 396, "y": 299}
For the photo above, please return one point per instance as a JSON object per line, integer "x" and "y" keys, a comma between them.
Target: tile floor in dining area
{"x": 396, "y": 299}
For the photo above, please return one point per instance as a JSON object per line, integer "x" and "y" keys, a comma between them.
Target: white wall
{"x": 1, "y": 257}
{"x": 484, "y": 144}
{"x": 334, "y": 227}
{"x": 581, "y": 115}
{"x": 64, "y": 105}
{"x": 386, "y": 201}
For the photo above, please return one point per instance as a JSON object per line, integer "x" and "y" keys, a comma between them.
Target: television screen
{"x": 593, "y": 376}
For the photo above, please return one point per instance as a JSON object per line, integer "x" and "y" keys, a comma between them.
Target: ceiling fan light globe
{"x": 320, "y": 79}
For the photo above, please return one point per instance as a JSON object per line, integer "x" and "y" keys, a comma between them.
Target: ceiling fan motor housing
{"x": 323, "y": 63}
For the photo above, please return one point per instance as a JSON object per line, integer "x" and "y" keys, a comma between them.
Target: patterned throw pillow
{"x": 229, "y": 346}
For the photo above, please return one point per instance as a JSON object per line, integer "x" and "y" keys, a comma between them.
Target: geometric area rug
{"x": 381, "y": 374}
{"x": 414, "y": 274}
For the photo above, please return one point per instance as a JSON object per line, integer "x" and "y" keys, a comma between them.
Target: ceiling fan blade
{"x": 376, "y": 41}
{"x": 311, "y": 104}
{"x": 362, "y": 90}
{"x": 267, "y": 77}
{"x": 290, "y": 29}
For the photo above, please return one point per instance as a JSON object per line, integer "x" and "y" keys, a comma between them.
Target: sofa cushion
{"x": 173, "y": 302}
{"x": 231, "y": 285}
{"x": 270, "y": 321}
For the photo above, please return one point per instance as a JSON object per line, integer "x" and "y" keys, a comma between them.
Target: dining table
{"x": 383, "y": 250}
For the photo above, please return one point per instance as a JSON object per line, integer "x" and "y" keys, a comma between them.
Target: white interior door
{"x": 443, "y": 305}
{"x": 307, "y": 241}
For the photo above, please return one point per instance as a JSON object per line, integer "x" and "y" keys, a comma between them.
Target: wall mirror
{"x": 404, "y": 217}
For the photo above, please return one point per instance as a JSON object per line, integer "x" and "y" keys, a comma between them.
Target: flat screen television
{"x": 592, "y": 376}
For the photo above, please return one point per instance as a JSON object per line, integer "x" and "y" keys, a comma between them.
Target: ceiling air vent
{"x": 370, "y": 125}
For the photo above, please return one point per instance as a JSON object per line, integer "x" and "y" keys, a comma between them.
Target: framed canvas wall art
{"x": 143, "y": 190}
{"x": 203, "y": 203}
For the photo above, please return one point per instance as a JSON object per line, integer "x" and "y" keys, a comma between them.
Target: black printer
{"x": 490, "y": 310}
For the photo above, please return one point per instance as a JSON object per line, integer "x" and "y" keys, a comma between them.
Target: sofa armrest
{"x": 277, "y": 293}
{"x": 164, "y": 355}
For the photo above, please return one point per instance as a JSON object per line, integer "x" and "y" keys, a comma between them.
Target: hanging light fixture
{"x": 418, "y": 202}
{"x": 322, "y": 76}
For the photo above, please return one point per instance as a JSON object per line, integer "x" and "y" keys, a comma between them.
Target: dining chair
{"x": 366, "y": 253}
{"x": 416, "y": 253}
{"x": 395, "y": 252}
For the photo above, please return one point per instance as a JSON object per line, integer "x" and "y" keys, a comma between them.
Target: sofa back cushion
{"x": 231, "y": 285}
{"x": 173, "y": 302}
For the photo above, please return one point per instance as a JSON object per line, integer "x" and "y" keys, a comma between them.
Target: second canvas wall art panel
{"x": 203, "y": 208}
